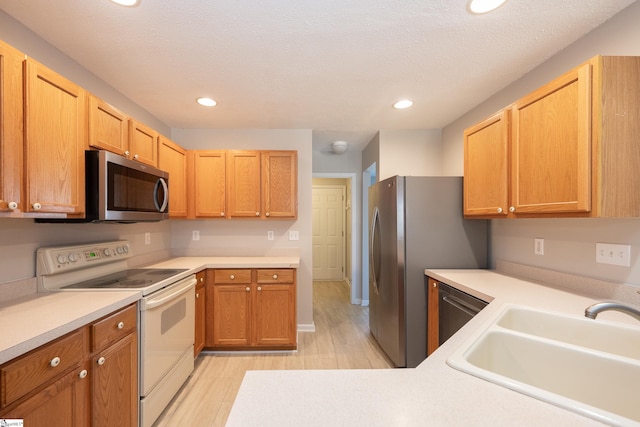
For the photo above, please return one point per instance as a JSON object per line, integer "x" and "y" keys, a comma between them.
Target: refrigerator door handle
{"x": 374, "y": 252}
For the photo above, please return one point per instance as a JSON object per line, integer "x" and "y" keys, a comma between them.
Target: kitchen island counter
{"x": 431, "y": 394}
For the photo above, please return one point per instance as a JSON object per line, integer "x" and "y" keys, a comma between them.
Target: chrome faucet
{"x": 593, "y": 310}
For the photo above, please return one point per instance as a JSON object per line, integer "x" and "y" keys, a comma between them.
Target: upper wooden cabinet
{"x": 569, "y": 147}
{"x": 11, "y": 135}
{"x": 173, "y": 159}
{"x": 206, "y": 186}
{"x": 54, "y": 142}
{"x": 143, "y": 143}
{"x": 262, "y": 184}
{"x": 108, "y": 127}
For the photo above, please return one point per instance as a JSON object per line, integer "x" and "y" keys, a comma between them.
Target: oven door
{"x": 167, "y": 319}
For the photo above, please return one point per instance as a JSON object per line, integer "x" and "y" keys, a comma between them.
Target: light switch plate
{"x": 294, "y": 235}
{"x": 538, "y": 246}
{"x": 147, "y": 238}
{"x": 609, "y": 253}
{"x": 195, "y": 235}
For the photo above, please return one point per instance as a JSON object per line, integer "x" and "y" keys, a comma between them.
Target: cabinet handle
{"x": 499, "y": 210}
{"x": 248, "y": 289}
{"x": 120, "y": 325}
{"x": 54, "y": 362}
{"x": 101, "y": 361}
{"x": 275, "y": 276}
{"x": 37, "y": 206}
{"x": 512, "y": 209}
{"x": 232, "y": 277}
{"x": 259, "y": 288}
{"x": 257, "y": 213}
{"x": 83, "y": 374}
{"x": 267, "y": 214}
{"x": 13, "y": 205}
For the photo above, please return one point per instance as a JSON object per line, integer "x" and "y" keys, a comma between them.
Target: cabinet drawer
{"x": 48, "y": 362}
{"x": 232, "y": 276}
{"x": 280, "y": 275}
{"x": 113, "y": 328}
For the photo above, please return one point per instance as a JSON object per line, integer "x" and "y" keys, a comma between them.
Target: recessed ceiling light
{"x": 126, "y": 2}
{"x": 403, "y": 103}
{"x": 207, "y": 102}
{"x": 483, "y": 6}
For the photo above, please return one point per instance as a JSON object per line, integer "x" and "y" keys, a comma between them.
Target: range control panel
{"x": 58, "y": 259}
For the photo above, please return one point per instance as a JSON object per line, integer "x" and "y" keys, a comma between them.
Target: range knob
{"x": 125, "y": 248}
{"x": 62, "y": 259}
{"x": 106, "y": 252}
{"x": 119, "y": 250}
{"x": 73, "y": 257}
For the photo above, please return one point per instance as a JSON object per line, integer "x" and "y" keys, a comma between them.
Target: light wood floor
{"x": 341, "y": 341}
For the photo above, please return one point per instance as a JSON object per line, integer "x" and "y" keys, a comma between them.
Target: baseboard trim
{"x": 306, "y": 327}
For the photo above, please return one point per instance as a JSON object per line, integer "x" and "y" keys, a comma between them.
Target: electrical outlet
{"x": 147, "y": 238}
{"x": 608, "y": 253}
{"x": 269, "y": 235}
{"x": 195, "y": 235}
{"x": 538, "y": 246}
{"x": 294, "y": 235}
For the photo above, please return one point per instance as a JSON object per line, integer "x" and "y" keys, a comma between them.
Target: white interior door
{"x": 328, "y": 232}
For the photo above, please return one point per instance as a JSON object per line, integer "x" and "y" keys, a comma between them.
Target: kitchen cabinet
{"x": 207, "y": 183}
{"x": 570, "y": 148}
{"x": 200, "y": 324}
{"x": 54, "y": 142}
{"x": 173, "y": 159}
{"x": 433, "y": 315}
{"x": 11, "y": 135}
{"x": 108, "y": 127}
{"x": 87, "y": 377}
{"x": 248, "y": 309}
{"x": 143, "y": 143}
{"x": 262, "y": 184}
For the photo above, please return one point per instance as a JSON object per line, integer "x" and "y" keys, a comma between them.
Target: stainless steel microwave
{"x": 121, "y": 190}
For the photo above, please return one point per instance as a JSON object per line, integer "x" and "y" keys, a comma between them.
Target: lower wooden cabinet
{"x": 198, "y": 345}
{"x": 252, "y": 308}
{"x": 87, "y": 377}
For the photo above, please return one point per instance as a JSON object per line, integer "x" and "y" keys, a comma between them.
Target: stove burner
{"x": 135, "y": 278}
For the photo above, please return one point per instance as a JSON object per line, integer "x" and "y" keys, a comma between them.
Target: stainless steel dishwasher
{"x": 455, "y": 309}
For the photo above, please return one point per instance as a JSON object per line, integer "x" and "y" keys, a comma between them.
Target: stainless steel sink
{"x": 587, "y": 366}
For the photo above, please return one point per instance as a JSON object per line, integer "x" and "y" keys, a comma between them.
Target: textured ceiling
{"x": 333, "y": 66}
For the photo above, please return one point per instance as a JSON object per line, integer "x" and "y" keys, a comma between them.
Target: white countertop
{"x": 31, "y": 321}
{"x": 431, "y": 394}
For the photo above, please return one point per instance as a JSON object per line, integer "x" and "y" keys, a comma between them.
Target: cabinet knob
{"x": 13, "y": 205}
{"x": 101, "y": 361}
{"x": 197, "y": 295}
{"x": 257, "y": 213}
{"x": 267, "y": 214}
{"x": 135, "y": 156}
{"x": 435, "y": 285}
{"x": 37, "y": 206}
{"x": 221, "y": 213}
{"x": 259, "y": 288}
{"x": 126, "y": 153}
{"x": 499, "y": 210}
{"x": 201, "y": 279}
{"x": 248, "y": 289}
{"x": 232, "y": 277}
{"x": 83, "y": 374}
{"x": 120, "y": 325}
{"x": 275, "y": 276}
{"x": 54, "y": 362}
{"x": 512, "y": 209}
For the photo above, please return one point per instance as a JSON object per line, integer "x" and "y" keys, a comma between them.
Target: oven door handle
{"x": 182, "y": 287}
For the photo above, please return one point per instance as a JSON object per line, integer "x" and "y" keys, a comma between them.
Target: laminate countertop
{"x": 36, "y": 319}
{"x": 431, "y": 394}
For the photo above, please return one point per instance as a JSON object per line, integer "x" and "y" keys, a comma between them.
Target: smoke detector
{"x": 339, "y": 147}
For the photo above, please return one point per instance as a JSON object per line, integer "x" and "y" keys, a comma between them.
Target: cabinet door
{"x": 114, "y": 384}
{"x": 243, "y": 189}
{"x": 280, "y": 184}
{"x": 433, "y": 316}
{"x": 274, "y": 317}
{"x": 143, "y": 143}
{"x": 486, "y": 167}
{"x": 231, "y": 315}
{"x": 55, "y": 140}
{"x": 108, "y": 127}
{"x": 200, "y": 313}
{"x": 63, "y": 403}
{"x": 551, "y": 146}
{"x": 173, "y": 159}
{"x": 11, "y": 119}
{"x": 207, "y": 183}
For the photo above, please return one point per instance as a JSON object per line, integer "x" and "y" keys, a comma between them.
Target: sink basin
{"x": 587, "y": 366}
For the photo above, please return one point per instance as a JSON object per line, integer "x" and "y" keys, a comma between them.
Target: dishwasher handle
{"x": 461, "y": 305}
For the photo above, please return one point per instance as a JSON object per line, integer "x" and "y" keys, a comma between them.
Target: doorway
{"x": 328, "y": 236}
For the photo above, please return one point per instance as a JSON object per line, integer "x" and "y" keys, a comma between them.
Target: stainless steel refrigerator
{"x": 415, "y": 223}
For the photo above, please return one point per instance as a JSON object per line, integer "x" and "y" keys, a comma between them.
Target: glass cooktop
{"x": 134, "y": 278}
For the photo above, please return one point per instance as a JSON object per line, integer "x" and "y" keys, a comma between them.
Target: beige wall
{"x": 569, "y": 243}
{"x": 409, "y": 153}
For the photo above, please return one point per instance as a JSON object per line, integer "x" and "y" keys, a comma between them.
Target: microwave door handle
{"x": 165, "y": 201}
